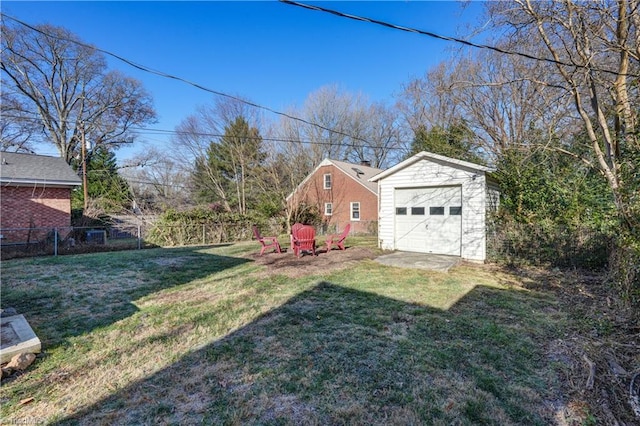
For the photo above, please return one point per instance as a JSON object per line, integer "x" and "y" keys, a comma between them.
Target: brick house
{"x": 342, "y": 194}
{"x": 35, "y": 192}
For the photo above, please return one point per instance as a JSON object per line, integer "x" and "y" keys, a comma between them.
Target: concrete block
{"x": 16, "y": 336}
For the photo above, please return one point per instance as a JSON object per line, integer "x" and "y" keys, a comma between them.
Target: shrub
{"x": 202, "y": 225}
{"x": 547, "y": 243}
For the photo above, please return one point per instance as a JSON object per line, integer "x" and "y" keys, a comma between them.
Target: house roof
{"x": 359, "y": 173}
{"x": 424, "y": 155}
{"x": 28, "y": 169}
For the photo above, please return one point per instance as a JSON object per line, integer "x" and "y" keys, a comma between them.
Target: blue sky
{"x": 269, "y": 52}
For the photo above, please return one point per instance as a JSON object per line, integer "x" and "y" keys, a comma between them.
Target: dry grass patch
{"x": 211, "y": 335}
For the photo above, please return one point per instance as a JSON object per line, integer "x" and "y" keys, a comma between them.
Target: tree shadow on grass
{"x": 67, "y": 297}
{"x": 334, "y": 355}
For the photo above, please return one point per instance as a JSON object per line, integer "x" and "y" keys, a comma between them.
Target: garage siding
{"x": 473, "y": 223}
{"x": 432, "y": 174}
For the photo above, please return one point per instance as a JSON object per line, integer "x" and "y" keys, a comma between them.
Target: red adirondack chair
{"x": 338, "y": 240}
{"x": 266, "y": 242}
{"x": 294, "y": 229}
{"x": 304, "y": 240}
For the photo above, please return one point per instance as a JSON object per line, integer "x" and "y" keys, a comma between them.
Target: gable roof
{"x": 26, "y": 169}
{"x": 424, "y": 155}
{"x": 357, "y": 172}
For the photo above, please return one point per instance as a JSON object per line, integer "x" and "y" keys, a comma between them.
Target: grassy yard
{"x": 201, "y": 335}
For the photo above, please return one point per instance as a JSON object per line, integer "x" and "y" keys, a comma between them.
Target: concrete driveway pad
{"x": 404, "y": 259}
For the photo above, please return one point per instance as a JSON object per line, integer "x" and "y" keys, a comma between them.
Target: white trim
{"x": 325, "y": 162}
{"x": 330, "y": 205}
{"x": 351, "y": 210}
{"x": 337, "y": 165}
{"x": 324, "y": 181}
{"x": 39, "y": 183}
{"x": 424, "y": 155}
{"x": 424, "y": 171}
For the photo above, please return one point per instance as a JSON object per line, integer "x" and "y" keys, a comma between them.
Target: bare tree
{"x": 193, "y": 138}
{"x": 61, "y": 85}
{"x": 287, "y": 164}
{"x": 15, "y": 131}
{"x": 157, "y": 181}
{"x": 500, "y": 98}
{"x": 385, "y": 139}
{"x": 330, "y": 108}
{"x": 428, "y": 101}
{"x": 595, "y": 51}
{"x": 207, "y": 136}
{"x": 196, "y": 131}
{"x": 342, "y": 126}
{"x": 591, "y": 53}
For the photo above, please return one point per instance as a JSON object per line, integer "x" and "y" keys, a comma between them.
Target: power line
{"x": 168, "y": 185}
{"x": 447, "y": 38}
{"x": 151, "y": 131}
{"x": 183, "y": 80}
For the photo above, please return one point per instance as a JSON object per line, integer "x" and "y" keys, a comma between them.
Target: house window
{"x": 436, "y": 211}
{"x": 328, "y": 209}
{"x": 401, "y": 211}
{"x": 355, "y": 211}
{"x": 327, "y": 181}
{"x": 417, "y": 211}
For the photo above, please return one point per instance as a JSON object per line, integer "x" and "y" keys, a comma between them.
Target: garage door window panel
{"x": 436, "y": 211}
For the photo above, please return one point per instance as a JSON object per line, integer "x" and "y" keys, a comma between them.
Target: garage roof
{"x": 424, "y": 155}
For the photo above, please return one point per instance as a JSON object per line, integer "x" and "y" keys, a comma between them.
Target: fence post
{"x": 139, "y": 238}
{"x": 203, "y": 235}
{"x": 55, "y": 241}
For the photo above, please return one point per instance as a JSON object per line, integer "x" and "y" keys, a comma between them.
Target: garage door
{"x": 429, "y": 219}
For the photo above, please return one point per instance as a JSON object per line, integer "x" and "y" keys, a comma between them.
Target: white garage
{"x": 430, "y": 203}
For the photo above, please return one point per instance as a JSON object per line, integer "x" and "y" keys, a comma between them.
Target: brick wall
{"x": 24, "y": 207}
{"x": 344, "y": 190}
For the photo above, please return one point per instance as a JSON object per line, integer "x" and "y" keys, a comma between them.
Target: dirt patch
{"x": 170, "y": 261}
{"x": 599, "y": 356}
{"x": 288, "y": 264}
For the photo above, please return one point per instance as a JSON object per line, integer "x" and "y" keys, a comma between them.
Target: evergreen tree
{"x": 455, "y": 141}
{"x": 106, "y": 188}
{"x": 229, "y": 174}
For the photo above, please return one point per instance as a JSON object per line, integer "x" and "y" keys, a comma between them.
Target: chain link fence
{"x": 553, "y": 245}
{"x": 360, "y": 227}
{"x": 25, "y": 242}
{"x": 512, "y": 243}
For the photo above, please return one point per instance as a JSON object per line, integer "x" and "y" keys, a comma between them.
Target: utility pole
{"x": 84, "y": 171}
